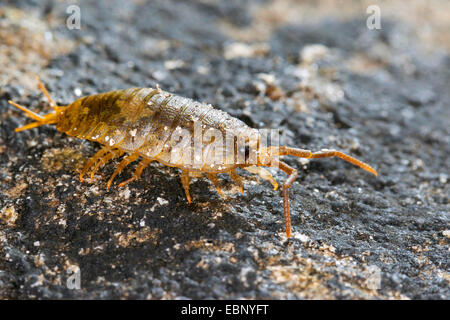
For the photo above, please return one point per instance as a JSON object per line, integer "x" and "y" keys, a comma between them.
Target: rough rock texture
{"x": 325, "y": 82}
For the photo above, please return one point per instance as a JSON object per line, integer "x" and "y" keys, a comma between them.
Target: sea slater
{"x": 154, "y": 125}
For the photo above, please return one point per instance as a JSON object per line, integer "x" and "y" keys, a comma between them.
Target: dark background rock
{"x": 381, "y": 95}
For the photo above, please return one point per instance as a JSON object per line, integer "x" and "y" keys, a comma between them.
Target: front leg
{"x": 292, "y": 175}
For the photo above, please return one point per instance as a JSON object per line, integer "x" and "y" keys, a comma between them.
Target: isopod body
{"x": 155, "y": 125}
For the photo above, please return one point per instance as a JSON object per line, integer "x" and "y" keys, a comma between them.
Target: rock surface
{"x": 325, "y": 81}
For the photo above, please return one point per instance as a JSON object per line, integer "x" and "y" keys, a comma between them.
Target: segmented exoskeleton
{"x": 155, "y": 125}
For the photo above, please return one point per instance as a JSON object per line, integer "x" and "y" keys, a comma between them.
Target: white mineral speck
{"x": 159, "y": 75}
{"x": 267, "y": 78}
{"x": 202, "y": 69}
{"x": 300, "y": 236}
{"x": 48, "y": 36}
{"x": 173, "y": 64}
{"x": 313, "y": 52}
{"x": 126, "y": 193}
{"x": 162, "y": 201}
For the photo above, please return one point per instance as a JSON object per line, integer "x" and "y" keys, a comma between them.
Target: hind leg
{"x": 103, "y": 160}
{"x": 185, "y": 179}
{"x": 215, "y": 181}
{"x": 137, "y": 174}
{"x": 125, "y": 161}
{"x": 237, "y": 179}
{"x": 92, "y": 161}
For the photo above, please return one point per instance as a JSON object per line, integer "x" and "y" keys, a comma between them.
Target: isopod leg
{"x": 237, "y": 179}
{"x": 92, "y": 161}
{"x": 263, "y": 174}
{"x": 185, "y": 182}
{"x": 286, "y": 185}
{"x": 137, "y": 174}
{"x": 111, "y": 155}
{"x": 215, "y": 181}
{"x": 125, "y": 161}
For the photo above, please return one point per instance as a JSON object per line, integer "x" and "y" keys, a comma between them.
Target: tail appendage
{"x": 49, "y": 118}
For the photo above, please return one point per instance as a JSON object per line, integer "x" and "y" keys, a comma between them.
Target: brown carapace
{"x": 141, "y": 123}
